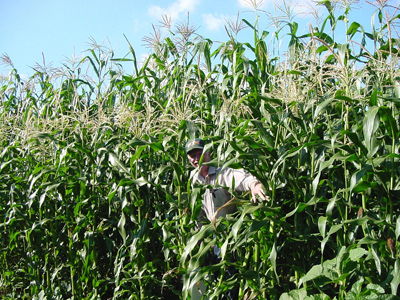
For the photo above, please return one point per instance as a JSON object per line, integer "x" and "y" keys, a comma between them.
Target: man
{"x": 213, "y": 199}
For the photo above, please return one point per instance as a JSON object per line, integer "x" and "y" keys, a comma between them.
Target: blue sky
{"x": 61, "y": 29}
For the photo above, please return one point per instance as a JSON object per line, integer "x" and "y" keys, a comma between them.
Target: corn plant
{"x": 97, "y": 200}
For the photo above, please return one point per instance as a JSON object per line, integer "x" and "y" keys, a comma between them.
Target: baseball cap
{"x": 194, "y": 144}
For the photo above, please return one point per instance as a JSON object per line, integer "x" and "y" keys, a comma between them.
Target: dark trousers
{"x": 233, "y": 294}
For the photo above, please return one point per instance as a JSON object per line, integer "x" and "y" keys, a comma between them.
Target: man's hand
{"x": 257, "y": 190}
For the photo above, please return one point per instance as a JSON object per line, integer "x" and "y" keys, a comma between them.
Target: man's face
{"x": 194, "y": 157}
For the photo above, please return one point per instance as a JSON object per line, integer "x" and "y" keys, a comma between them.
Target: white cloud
{"x": 155, "y": 11}
{"x": 213, "y": 23}
{"x": 175, "y": 9}
{"x": 260, "y": 4}
{"x": 302, "y": 8}
{"x": 298, "y": 6}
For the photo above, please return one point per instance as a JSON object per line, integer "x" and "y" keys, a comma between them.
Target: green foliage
{"x": 96, "y": 198}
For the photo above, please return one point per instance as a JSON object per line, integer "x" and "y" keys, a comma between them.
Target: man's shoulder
{"x": 229, "y": 172}
{"x": 222, "y": 170}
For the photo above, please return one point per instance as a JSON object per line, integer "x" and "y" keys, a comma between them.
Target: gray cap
{"x": 194, "y": 144}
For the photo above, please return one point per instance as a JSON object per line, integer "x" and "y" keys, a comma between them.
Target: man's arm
{"x": 243, "y": 181}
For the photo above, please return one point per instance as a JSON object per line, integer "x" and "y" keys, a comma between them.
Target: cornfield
{"x": 96, "y": 195}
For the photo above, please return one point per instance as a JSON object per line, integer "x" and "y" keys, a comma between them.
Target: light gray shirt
{"x": 213, "y": 199}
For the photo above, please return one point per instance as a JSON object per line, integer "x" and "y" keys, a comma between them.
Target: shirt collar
{"x": 211, "y": 171}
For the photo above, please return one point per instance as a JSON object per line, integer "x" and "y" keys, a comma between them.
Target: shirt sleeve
{"x": 241, "y": 179}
